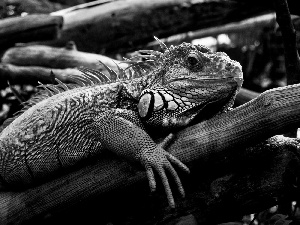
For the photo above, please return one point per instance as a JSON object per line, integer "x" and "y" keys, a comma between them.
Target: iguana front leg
{"x": 121, "y": 132}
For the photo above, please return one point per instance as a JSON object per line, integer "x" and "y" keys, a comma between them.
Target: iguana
{"x": 67, "y": 123}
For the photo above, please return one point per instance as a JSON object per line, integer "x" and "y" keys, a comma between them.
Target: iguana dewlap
{"x": 70, "y": 123}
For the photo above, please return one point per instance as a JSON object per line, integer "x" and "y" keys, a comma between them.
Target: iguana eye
{"x": 193, "y": 59}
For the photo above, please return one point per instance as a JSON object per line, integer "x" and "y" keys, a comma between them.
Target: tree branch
{"x": 51, "y": 57}
{"x": 118, "y": 26}
{"x": 29, "y": 64}
{"x": 292, "y": 60}
{"x": 218, "y": 140}
{"x": 29, "y": 28}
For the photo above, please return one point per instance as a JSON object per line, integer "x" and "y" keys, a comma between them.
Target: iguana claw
{"x": 160, "y": 161}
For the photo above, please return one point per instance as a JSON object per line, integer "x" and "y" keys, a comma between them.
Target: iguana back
{"x": 38, "y": 140}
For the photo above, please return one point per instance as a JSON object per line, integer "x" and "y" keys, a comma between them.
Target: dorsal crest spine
{"x": 143, "y": 63}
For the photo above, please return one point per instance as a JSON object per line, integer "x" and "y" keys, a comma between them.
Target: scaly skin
{"x": 80, "y": 123}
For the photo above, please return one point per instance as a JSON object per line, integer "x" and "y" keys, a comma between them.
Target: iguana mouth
{"x": 213, "y": 78}
{"x": 210, "y": 79}
{"x": 203, "y": 78}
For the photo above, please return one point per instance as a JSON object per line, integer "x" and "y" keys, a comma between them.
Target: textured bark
{"x": 29, "y": 28}
{"x": 60, "y": 58}
{"x": 29, "y": 64}
{"x": 271, "y": 113}
{"x": 33, "y": 74}
{"x": 217, "y": 142}
{"x": 257, "y": 22}
{"x": 117, "y": 26}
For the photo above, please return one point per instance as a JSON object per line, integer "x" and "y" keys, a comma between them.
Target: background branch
{"x": 292, "y": 60}
{"x": 29, "y": 28}
{"x": 122, "y": 26}
{"x": 32, "y": 63}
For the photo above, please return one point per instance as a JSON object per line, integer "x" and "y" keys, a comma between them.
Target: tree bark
{"x": 33, "y": 63}
{"x": 257, "y": 22}
{"x": 119, "y": 26}
{"x": 29, "y": 28}
{"x": 218, "y": 141}
{"x": 33, "y": 74}
{"x": 51, "y": 57}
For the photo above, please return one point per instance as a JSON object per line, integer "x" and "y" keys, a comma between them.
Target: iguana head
{"x": 190, "y": 81}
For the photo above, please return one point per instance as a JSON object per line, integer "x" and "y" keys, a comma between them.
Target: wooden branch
{"x": 33, "y": 74}
{"x": 292, "y": 60}
{"x": 80, "y": 6}
{"x": 272, "y": 112}
{"x": 234, "y": 27}
{"x": 260, "y": 177}
{"x": 51, "y": 57}
{"x": 29, "y": 64}
{"x": 29, "y": 28}
{"x": 117, "y": 26}
{"x": 213, "y": 140}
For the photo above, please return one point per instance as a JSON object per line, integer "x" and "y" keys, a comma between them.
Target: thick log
{"x": 29, "y": 64}
{"x": 257, "y": 22}
{"x": 117, "y": 26}
{"x": 246, "y": 25}
{"x": 216, "y": 140}
{"x": 272, "y": 112}
{"x": 33, "y": 74}
{"x": 29, "y": 28}
{"x": 60, "y": 58}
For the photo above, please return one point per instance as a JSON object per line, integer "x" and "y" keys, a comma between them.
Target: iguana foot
{"x": 160, "y": 161}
